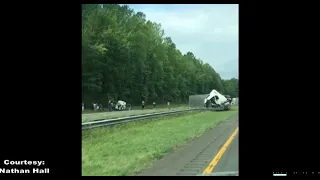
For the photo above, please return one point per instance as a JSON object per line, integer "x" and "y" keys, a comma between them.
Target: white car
{"x": 121, "y": 105}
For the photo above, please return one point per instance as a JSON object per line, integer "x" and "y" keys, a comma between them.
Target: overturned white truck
{"x": 217, "y": 101}
{"x": 235, "y": 101}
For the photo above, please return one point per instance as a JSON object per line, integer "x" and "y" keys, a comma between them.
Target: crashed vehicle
{"x": 217, "y": 101}
{"x": 234, "y": 101}
{"x": 229, "y": 98}
{"x": 120, "y": 106}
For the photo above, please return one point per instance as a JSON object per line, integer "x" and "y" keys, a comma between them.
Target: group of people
{"x": 154, "y": 105}
{"x": 94, "y": 106}
{"x": 142, "y": 105}
{"x": 111, "y": 105}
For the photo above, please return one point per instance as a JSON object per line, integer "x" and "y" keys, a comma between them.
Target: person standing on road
{"x": 142, "y": 105}
{"x": 154, "y": 105}
{"x": 168, "y": 104}
{"x": 100, "y": 106}
{"x": 109, "y": 105}
{"x": 97, "y": 106}
{"x": 93, "y": 106}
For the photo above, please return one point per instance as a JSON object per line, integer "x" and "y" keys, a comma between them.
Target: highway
{"x": 215, "y": 151}
{"x": 230, "y": 159}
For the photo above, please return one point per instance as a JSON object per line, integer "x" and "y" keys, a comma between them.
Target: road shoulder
{"x": 193, "y": 158}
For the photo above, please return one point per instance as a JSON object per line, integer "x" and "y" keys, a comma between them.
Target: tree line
{"x": 125, "y": 56}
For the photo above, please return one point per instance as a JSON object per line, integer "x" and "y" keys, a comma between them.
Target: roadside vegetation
{"x": 127, "y": 57}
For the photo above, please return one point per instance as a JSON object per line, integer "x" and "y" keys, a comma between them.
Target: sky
{"x": 209, "y": 31}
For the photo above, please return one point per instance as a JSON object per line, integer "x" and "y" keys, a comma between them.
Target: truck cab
{"x": 218, "y": 101}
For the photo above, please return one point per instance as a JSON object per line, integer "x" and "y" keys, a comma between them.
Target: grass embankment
{"x": 90, "y": 116}
{"x": 126, "y": 149}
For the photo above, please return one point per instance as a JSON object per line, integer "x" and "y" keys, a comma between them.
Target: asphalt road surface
{"x": 194, "y": 158}
{"x": 230, "y": 159}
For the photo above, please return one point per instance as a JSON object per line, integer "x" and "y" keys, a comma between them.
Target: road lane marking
{"x": 216, "y": 159}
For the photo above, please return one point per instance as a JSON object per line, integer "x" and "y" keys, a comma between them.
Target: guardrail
{"x": 110, "y": 122}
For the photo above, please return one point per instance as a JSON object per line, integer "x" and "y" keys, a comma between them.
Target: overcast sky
{"x": 209, "y": 31}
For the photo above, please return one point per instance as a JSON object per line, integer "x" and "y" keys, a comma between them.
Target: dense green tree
{"x": 127, "y": 57}
{"x": 231, "y": 87}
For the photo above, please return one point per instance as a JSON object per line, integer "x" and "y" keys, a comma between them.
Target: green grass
{"x": 86, "y": 117}
{"x": 128, "y": 148}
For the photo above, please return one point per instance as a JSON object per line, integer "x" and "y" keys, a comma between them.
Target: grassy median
{"x": 126, "y": 149}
